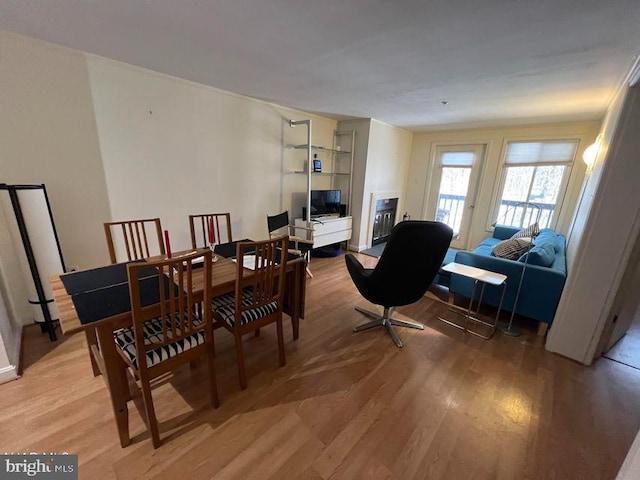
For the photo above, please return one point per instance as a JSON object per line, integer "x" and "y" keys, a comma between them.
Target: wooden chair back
{"x": 199, "y": 228}
{"x": 136, "y": 239}
{"x": 174, "y": 298}
{"x": 169, "y": 319}
{"x": 266, "y": 280}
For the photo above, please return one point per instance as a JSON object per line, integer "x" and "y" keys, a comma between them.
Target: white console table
{"x": 327, "y": 230}
{"x": 478, "y": 275}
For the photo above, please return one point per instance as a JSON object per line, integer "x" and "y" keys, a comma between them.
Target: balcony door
{"x": 454, "y": 181}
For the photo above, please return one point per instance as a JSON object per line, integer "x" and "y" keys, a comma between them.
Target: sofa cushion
{"x": 549, "y": 236}
{"x": 542, "y": 255}
{"x": 486, "y": 246}
{"x": 513, "y": 248}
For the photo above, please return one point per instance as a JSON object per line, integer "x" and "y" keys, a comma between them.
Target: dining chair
{"x": 199, "y": 228}
{"x": 135, "y": 238}
{"x": 169, "y": 327}
{"x": 258, "y": 297}
{"x": 279, "y": 225}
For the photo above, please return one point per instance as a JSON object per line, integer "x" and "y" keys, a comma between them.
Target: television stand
{"x": 327, "y": 230}
{"x": 324, "y": 218}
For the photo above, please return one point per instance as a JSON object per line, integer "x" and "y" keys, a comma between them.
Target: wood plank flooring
{"x": 346, "y": 406}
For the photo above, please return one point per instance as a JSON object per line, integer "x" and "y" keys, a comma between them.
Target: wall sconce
{"x": 591, "y": 153}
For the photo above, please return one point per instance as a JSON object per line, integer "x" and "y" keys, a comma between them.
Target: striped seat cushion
{"x": 225, "y": 307}
{"x": 125, "y": 340}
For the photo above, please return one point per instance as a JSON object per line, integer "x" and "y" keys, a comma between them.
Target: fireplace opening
{"x": 384, "y": 219}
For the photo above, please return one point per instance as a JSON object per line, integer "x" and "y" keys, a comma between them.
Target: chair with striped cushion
{"x": 258, "y": 297}
{"x": 128, "y": 240}
{"x": 169, "y": 327}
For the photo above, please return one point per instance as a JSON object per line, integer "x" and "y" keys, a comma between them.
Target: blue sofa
{"x": 543, "y": 280}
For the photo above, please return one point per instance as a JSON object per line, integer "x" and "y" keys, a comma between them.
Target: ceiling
{"x": 493, "y": 61}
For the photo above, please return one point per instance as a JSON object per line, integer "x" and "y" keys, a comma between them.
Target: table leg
{"x": 92, "y": 340}
{"x": 115, "y": 376}
{"x": 470, "y": 309}
{"x": 468, "y": 314}
{"x": 302, "y": 291}
{"x": 295, "y": 299}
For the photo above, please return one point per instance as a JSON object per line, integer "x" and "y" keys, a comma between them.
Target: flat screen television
{"x": 325, "y": 202}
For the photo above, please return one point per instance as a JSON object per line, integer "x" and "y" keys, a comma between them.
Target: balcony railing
{"x": 450, "y": 210}
{"x": 521, "y": 214}
{"x": 511, "y": 212}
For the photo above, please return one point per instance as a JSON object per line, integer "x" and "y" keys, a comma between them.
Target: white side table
{"x": 478, "y": 275}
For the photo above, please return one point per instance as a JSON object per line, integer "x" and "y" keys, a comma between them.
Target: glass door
{"x": 454, "y": 182}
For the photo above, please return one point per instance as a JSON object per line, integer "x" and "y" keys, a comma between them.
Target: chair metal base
{"x": 388, "y": 322}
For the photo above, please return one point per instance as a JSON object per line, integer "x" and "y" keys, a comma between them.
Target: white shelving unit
{"x": 336, "y": 174}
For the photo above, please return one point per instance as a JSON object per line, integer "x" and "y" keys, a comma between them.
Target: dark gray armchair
{"x": 408, "y": 265}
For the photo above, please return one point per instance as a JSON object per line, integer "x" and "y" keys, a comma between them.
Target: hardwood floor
{"x": 351, "y": 406}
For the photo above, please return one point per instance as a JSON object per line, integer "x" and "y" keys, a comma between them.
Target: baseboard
{"x": 21, "y": 353}
{"x": 357, "y": 248}
{"x": 8, "y": 373}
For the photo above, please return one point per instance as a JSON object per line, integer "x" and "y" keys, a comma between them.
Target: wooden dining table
{"x": 76, "y": 316}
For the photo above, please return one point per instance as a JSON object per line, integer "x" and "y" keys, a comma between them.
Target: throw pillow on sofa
{"x": 531, "y": 231}
{"x": 543, "y": 255}
{"x": 512, "y": 248}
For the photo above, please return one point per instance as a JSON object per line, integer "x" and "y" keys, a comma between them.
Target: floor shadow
{"x": 36, "y": 345}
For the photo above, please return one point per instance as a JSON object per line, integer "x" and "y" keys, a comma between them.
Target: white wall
{"x": 9, "y": 340}
{"x": 606, "y": 228}
{"x": 112, "y": 141}
{"x": 382, "y": 167}
{"x": 171, "y": 148}
{"x": 49, "y": 136}
{"x": 362, "y": 129}
{"x": 9, "y": 345}
{"x": 424, "y": 144}
{"x": 592, "y": 179}
{"x": 12, "y": 283}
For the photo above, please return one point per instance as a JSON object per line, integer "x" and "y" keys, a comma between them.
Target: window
{"x": 454, "y": 184}
{"x": 533, "y": 182}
